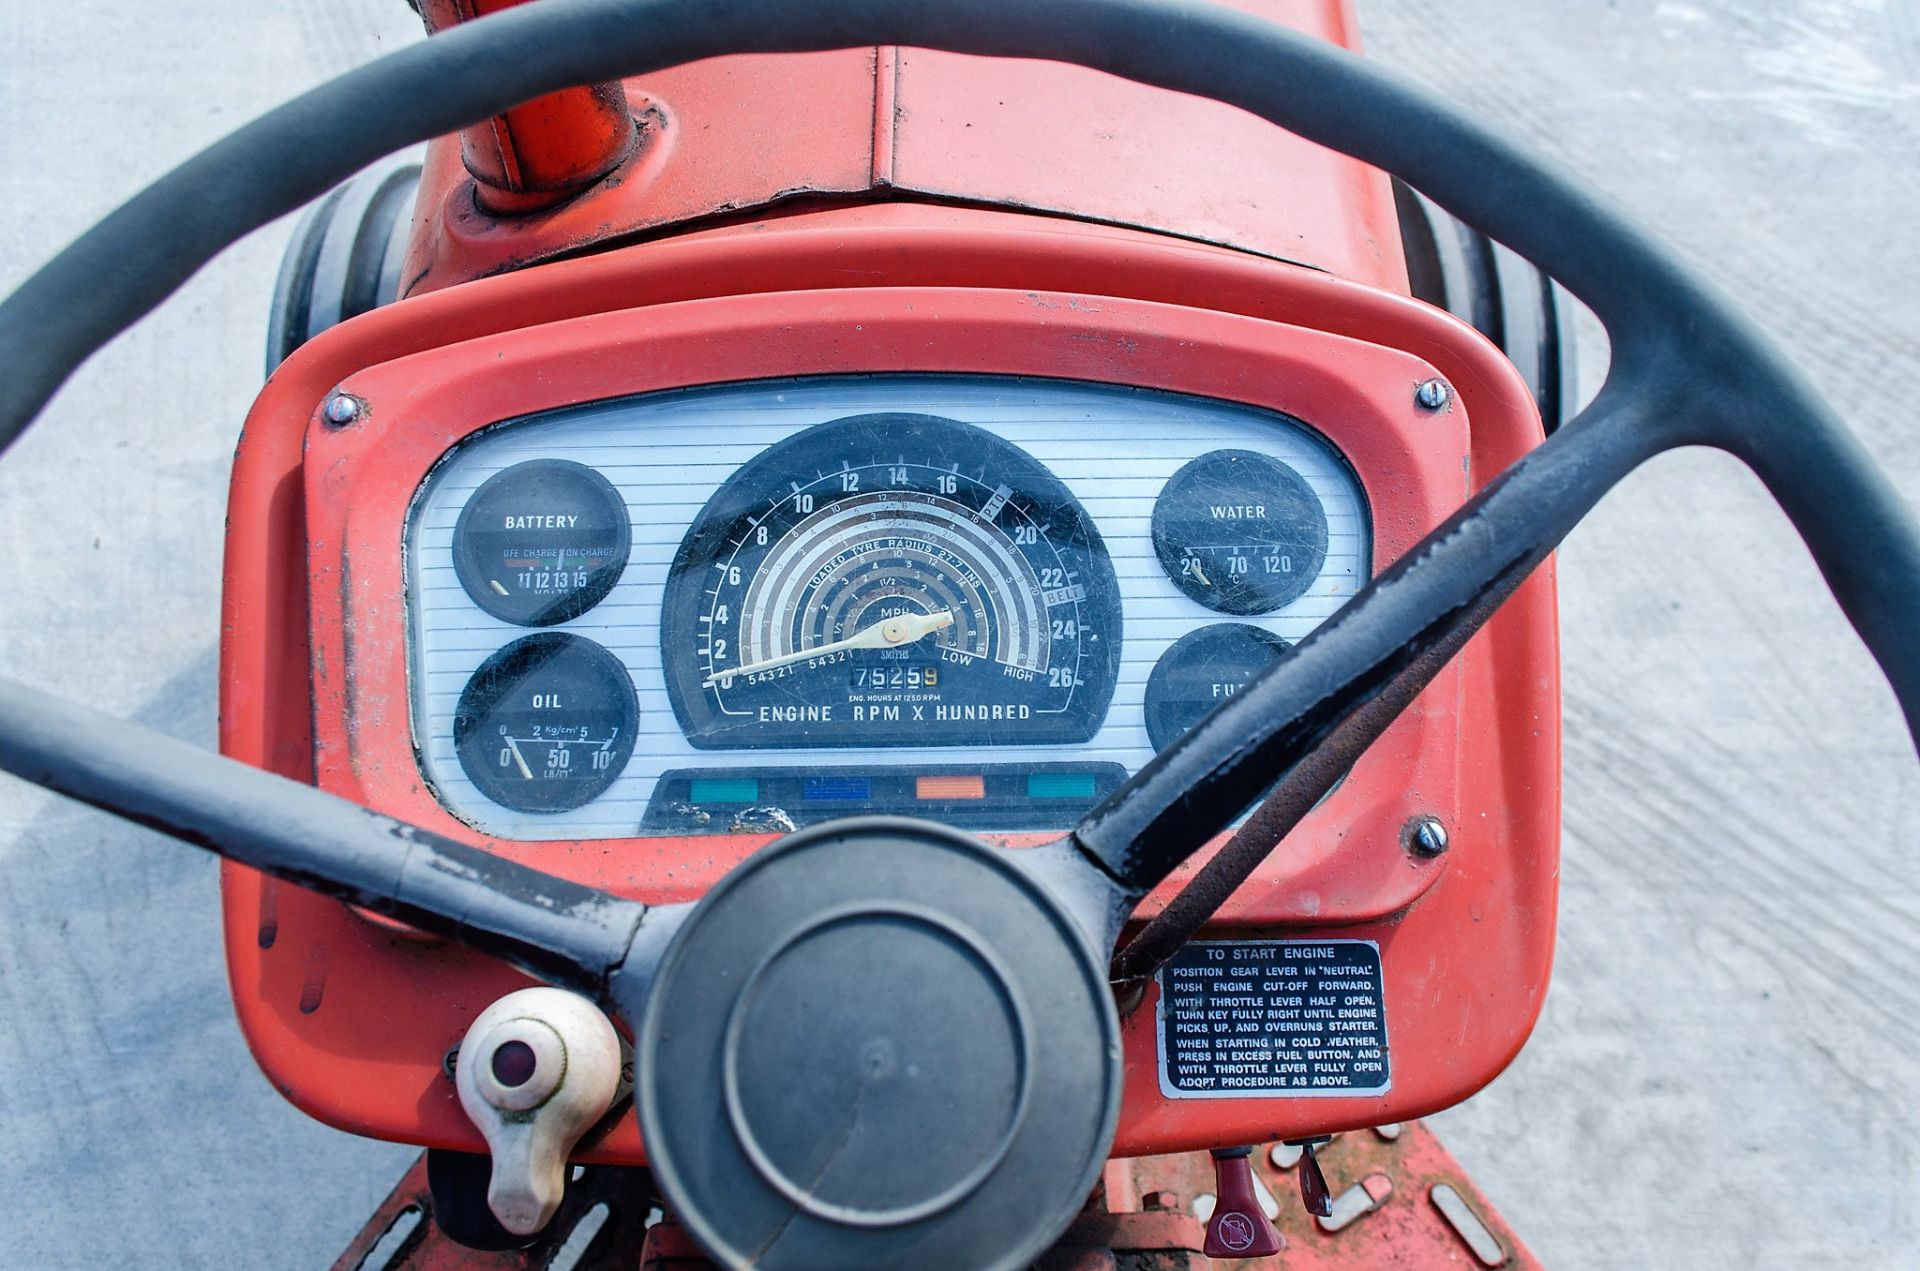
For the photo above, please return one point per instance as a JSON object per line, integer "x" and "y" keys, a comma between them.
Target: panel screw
{"x": 1432, "y": 394}
{"x": 1427, "y": 836}
{"x": 342, "y": 409}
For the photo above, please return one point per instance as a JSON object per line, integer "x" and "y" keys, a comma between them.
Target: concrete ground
{"x": 1725, "y": 1074}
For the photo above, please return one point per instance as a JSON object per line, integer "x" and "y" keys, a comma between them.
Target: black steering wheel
{"x": 908, "y": 1035}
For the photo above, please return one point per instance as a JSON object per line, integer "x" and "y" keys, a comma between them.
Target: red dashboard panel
{"x": 352, "y": 1019}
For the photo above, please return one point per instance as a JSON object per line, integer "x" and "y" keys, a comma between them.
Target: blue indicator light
{"x": 836, "y": 789}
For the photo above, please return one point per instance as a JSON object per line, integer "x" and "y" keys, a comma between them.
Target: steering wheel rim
{"x": 1687, "y": 370}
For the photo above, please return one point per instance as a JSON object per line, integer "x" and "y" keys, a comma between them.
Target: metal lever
{"x": 1314, "y": 1193}
{"x": 535, "y": 1071}
{"x": 1238, "y": 1227}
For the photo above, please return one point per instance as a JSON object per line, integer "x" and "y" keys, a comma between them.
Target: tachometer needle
{"x": 888, "y": 634}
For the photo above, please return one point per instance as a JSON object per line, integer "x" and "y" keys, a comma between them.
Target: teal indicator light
{"x": 1060, "y": 785}
{"x": 723, "y": 790}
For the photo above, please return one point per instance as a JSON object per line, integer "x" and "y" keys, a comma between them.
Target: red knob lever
{"x": 1238, "y": 1227}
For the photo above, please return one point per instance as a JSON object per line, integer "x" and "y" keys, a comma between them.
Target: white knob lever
{"x": 537, "y": 1068}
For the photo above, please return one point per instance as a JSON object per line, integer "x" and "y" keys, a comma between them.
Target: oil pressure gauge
{"x": 1240, "y": 532}
{"x": 547, "y": 723}
{"x": 542, "y": 542}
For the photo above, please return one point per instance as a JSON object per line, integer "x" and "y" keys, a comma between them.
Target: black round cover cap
{"x": 879, "y": 1043}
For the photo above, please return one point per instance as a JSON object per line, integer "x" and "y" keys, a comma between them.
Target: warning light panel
{"x": 978, "y": 797}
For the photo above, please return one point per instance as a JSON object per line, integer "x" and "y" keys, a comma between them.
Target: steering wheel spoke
{"x": 573, "y": 935}
{"x": 1308, "y": 717}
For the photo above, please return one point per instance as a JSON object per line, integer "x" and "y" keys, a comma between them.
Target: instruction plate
{"x": 1253, "y": 1019}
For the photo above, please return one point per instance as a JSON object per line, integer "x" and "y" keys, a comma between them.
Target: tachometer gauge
{"x": 547, "y": 723}
{"x": 1240, "y": 532}
{"x": 1203, "y": 669}
{"x": 891, "y": 579}
{"x": 541, "y": 542}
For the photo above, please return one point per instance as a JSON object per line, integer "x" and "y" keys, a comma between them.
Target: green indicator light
{"x": 1060, "y": 785}
{"x": 723, "y": 790}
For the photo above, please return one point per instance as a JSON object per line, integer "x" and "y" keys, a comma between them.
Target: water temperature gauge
{"x": 547, "y": 723}
{"x": 1240, "y": 532}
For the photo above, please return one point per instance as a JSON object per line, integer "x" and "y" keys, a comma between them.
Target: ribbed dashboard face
{"x": 748, "y": 607}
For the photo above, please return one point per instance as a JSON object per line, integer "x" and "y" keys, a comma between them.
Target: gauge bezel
{"x": 1310, "y": 375}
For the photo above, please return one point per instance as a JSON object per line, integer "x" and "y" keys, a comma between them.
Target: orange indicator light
{"x": 964, "y": 787}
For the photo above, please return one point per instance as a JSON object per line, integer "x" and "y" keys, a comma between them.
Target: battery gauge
{"x": 542, "y": 542}
{"x": 1240, "y": 532}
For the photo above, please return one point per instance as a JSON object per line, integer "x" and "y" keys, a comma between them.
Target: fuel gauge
{"x": 1240, "y": 532}
{"x": 1203, "y": 669}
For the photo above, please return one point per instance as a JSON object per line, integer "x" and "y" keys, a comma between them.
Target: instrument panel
{"x": 746, "y": 607}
